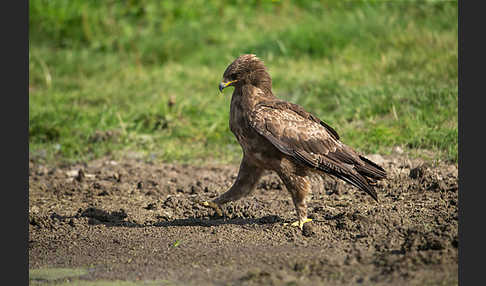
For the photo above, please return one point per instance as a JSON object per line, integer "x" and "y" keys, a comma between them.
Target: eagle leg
{"x": 245, "y": 184}
{"x": 298, "y": 187}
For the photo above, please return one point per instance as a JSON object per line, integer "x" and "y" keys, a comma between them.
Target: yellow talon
{"x": 300, "y": 224}
{"x": 214, "y": 206}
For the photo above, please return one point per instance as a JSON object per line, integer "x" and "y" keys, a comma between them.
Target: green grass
{"x": 383, "y": 73}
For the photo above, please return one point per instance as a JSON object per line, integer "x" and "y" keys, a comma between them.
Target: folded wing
{"x": 312, "y": 142}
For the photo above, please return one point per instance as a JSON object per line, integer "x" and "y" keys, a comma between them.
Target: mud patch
{"x": 122, "y": 219}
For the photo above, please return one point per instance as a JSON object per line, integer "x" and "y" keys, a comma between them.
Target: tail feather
{"x": 354, "y": 178}
{"x": 340, "y": 166}
{"x": 370, "y": 169}
{"x": 360, "y": 182}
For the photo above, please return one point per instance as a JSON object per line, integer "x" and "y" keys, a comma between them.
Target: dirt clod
{"x": 417, "y": 172}
{"x": 308, "y": 230}
{"x": 80, "y": 176}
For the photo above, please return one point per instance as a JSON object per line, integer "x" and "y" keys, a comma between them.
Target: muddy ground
{"x": 140, "y": 221}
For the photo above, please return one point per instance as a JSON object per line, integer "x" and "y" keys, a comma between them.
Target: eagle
{"x": 282, "y": 137}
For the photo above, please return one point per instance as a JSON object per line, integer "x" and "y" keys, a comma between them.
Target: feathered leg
{"x": 298, "y": 187}
{"x": 245, "y": 184}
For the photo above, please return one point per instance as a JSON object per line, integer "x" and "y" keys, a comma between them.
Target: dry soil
{"x": 139, "y": 221}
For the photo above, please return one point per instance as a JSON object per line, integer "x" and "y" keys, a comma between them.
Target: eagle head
{"x": 246, "y": 69}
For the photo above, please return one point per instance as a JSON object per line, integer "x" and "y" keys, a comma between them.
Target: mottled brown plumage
{"x": 281, "y": 136}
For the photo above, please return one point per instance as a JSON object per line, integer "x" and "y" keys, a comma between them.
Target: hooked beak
{"x": 223, "y": 84}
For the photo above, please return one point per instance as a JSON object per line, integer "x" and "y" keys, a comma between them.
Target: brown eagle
{"x": 281, "y": 136}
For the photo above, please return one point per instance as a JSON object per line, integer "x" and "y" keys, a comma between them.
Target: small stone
{"x": 308, "y": 230}
{"x": 80, "y": 176}
{"x": 397, "y": 150}
{"x": 150, "y": 206}
{"x": 416, "y": 173}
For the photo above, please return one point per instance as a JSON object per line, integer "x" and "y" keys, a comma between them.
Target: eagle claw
{"x": 214, "y": 206}
{"x": 300, "y": 223}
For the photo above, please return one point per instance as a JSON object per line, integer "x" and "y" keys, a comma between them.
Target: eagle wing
{"x": 311, "y": 142}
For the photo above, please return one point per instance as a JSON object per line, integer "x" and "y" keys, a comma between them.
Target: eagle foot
{"x": 214, "y": 206}
{"x": 299, "y": 223}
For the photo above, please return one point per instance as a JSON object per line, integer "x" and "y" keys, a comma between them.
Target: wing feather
{"x": 281, "y": 104}
{"x": 313, "y": 143}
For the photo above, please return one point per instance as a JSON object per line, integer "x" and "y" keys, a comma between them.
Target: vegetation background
{"x": 140, "y": 78}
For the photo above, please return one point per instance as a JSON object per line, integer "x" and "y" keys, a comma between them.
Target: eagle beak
{"x": 223, "y": 84}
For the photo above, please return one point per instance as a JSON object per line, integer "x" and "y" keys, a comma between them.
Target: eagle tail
{"x": 358, "y": 181}
{"x": 370, "y": 169}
